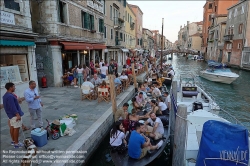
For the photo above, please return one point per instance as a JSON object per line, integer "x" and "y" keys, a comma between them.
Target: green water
{"x": 234, "y": 98}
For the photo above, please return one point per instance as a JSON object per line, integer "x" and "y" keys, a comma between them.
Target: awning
{"x": 124, "y": 50}
{"x": 99, "y": 46}
{"x": 76, "y": 46}
{"x": 16, "y": 43}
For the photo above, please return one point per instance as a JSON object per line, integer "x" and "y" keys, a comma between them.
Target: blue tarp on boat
{"x": 223, "y": 144}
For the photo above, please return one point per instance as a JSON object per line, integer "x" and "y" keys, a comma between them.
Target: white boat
{"x": 219, "y": 75}
{"x": 201, "y": 109}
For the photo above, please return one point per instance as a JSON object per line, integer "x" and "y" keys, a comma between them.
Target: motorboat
{"x": 210, "y": 139}
{"x": 219, "y": 75}
{"x": 125, "y": 160}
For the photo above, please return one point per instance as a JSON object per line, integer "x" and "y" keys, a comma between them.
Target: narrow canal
{"x": 234, "y": 98}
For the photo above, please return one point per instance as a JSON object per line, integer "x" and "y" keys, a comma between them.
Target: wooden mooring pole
{"x": 134, "y": 76}
{"x": 112, "y": 92}
{"x": 172, "y": 116}
{"x": 146, "y": 64}
{"x": 180, "y": 136}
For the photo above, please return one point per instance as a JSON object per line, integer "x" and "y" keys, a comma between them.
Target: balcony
{"x": 228, "y": 38}
{"x": 118, "y": 23}
{"x": 132, "y": 25}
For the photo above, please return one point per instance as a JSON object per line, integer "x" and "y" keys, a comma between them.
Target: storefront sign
{"x": 41, "y": 40}
{"x": 7, "y": 18}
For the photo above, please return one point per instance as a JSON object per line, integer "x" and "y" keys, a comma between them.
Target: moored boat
{"x": 219, "y": 75}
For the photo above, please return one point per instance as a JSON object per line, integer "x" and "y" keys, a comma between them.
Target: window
{"x": 125, "y": 15}
{"x": 215, "y": 9}
{"x": 62, "y": 12}
{"x": 230, "y": 15}
{"x": 138, "y": 42}
{"x": 128, "y": 17}
{"x": 12, "y": 4}
{"x": 210, "y": 17}
{"x": 104, "y": 7}
{"x": 235, "y": 12}
{"x": 240, "y": 28}
{"x": 111, "y": 14}
{"x": 242, "y": 9}
{"x": 101, "y": 25}
{"x": 124, "y": 38}
{"x": 210, "y": 6}
{"x": 111, "y": 33}
{"x": 121, "y": 36}
{"x": 88, "y": 21}
{"x": 105, "y": 32}
{"x": 239, "y": 46}
{"x": 124, "y": 3}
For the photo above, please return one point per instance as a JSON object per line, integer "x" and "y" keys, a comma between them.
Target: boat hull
{"x": 217, "y": 77}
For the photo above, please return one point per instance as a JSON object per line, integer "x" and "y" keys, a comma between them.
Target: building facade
{"x": 17, "y": 55}
{"x": 212, "y": 10}
{"x": 236, "y": 48}
{"x": 130, "y": 36}
{"x": 194, "y": 42}
{"x": 70, "y": 33}
{"x": 138, "y": 26}
{"x": 148, "y": 41}
{"x": 115, "y": 22}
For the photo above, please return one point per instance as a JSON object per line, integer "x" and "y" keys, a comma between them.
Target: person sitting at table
{"x": 117, "y": 81}
{"x": 157, "y": 131}
{"x": 96, "y": 80}
{"x": 122, "y": 113}
{"x": 136, "y": 106}
{"x": 163, "y": 106}
{"x": 87, "y": 85}
{"x": 139, "y": 144}
{"x": 140, "y": 99}
{"x": 123, "y": 76}
{"x": 155, "y": 91}
{"x": 129, "y": 73}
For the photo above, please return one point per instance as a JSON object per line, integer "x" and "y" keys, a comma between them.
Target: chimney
{"x": 187, "y": 22}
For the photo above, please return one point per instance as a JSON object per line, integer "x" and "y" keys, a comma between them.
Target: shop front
{"x": 18, "y": 64}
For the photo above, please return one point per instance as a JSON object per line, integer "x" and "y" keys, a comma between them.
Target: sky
{"x": 175, "y": 14}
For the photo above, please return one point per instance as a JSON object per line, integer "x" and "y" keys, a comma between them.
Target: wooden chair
{"x": 87, "y": 96}
{"x": 103, "y": 94}
{"x": 127, "y": 83}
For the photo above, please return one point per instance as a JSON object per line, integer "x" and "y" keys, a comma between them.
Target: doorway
{"x": 220, "y": 56}
{"x": 228, "y": 57}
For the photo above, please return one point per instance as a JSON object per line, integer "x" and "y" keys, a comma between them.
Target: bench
{"x": 189, "y": 91}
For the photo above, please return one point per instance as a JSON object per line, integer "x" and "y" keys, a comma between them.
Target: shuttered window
{"x": 12, "y": 4}
{"x": 101, "y": 25}
{"x": 124, "y": 3}
{"x": 86, "y": 21}
{"x": 92, "y": 24}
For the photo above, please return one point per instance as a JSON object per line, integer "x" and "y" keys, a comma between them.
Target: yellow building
{"x": 130, "y": 18}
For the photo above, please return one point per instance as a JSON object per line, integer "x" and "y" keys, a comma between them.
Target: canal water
{"x": 234, "y": 98}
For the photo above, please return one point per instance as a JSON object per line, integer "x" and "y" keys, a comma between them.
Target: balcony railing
{"x": 228, "y": 37}
{"x": 118, "y": 23}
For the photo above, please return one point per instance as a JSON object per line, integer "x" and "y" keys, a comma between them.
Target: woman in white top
{"x": 80, "y": 74}
{"x": 162, "y": 106}
{"x": 117, "y": 135}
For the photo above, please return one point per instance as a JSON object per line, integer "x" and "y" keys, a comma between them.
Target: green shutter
{"x": 92, "y": 22}
{"x": 102, "y": 25}
{"x": 86, "y": 20}
{"x": 124, "y": 3}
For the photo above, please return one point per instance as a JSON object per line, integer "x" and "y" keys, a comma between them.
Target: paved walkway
{"x": 57, "y": 102}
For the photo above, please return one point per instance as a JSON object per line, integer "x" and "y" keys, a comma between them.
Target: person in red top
{"x": 129, "y": 74}
{"x": 92, "y": 66}
{"x": 128, "y": 61}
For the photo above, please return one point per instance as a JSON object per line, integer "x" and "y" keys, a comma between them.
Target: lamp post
{"x": 162, "y": 41}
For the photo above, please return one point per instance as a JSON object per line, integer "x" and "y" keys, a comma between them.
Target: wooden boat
{"x": 125, "y": 160}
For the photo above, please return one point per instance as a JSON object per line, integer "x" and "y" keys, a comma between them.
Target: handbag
{"x": 119, "y": 149}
